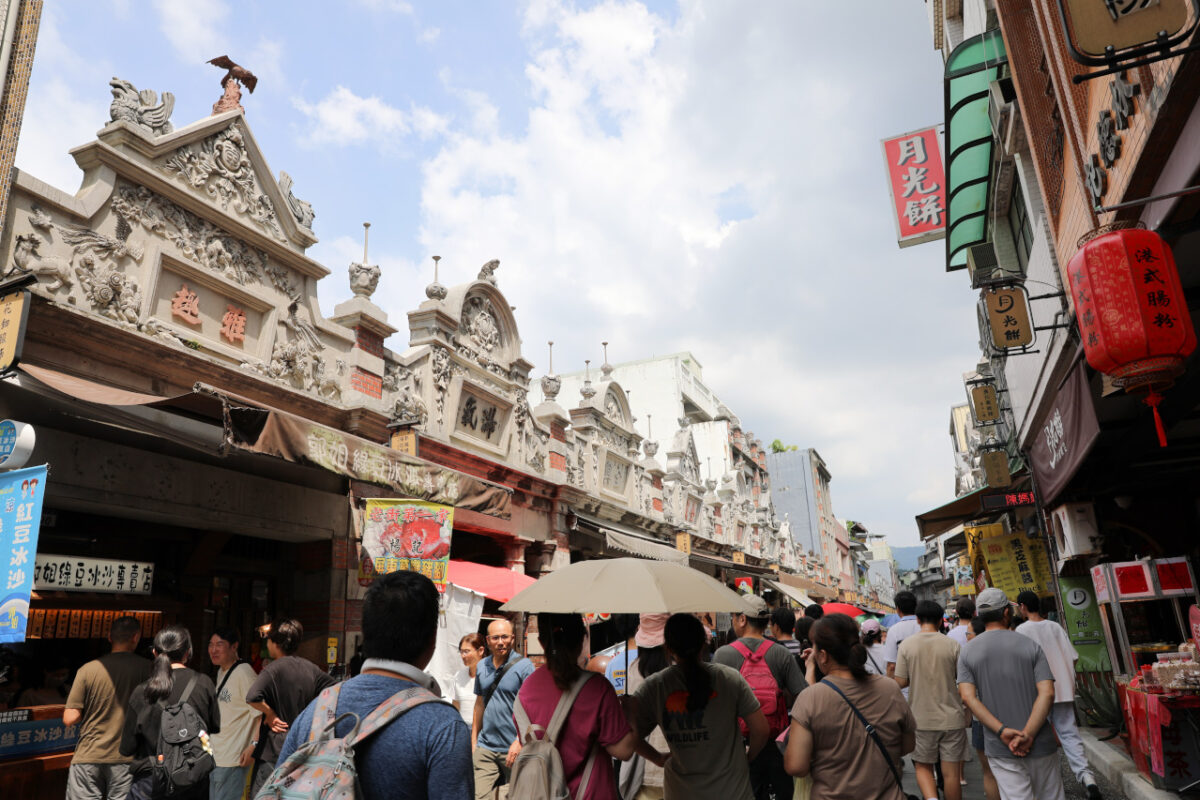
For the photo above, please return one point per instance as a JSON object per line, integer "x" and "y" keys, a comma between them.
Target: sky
{"x": 698, "y": 175}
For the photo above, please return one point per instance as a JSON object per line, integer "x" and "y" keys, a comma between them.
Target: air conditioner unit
{"x": 1075, "y": 530}
{"x": 1005, "y": 115}
{"x": 981, "y": 263}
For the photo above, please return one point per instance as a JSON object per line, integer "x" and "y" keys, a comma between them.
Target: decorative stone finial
{"x": 650, "y": 448}
{"x": 232, "y": 82}
{"x": 587, "y": 390}
{"x": 435, "y": 290}
{"x": 550, "y": 382}
{"x": 364, "y": 277}
{"x": 488, "y": 271}
{"x": 606, "y": 368}
{"x": 141, "y": 108}
{"x": 683, "y": 423}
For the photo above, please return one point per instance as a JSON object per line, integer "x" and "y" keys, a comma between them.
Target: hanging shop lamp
{"x": 1132, "y": 314}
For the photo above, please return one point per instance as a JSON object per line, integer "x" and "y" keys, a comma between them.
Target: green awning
{"x": 970, "y": 68}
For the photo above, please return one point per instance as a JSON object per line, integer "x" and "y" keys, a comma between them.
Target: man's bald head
{"x": 500, "y": 640}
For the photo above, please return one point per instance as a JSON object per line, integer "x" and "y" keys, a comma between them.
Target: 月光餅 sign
{"x": 917, "y": 181}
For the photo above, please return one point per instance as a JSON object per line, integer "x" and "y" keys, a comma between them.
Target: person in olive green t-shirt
{"x": 97, "y": 705}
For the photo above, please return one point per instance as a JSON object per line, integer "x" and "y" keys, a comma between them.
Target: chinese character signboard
{"x": 1016, "y": 563}
{"x": 32, "y": 737}
{"x": 958, "y": 570}
{"x": 1008, "y": 317}
{"x": 406, "y": 535}
{"x": 918, "y": 186}
{"x": 985, "y": 403}
{"x": 108, "y": 575}
{"x": 1066, "y": 436}
{"x": 683, "y": 542}
{"x": 480, "y": 418}
{"x": 995, "y": 468}
{"x": 14, "y": 313}
{"x": 21, "y": 494}
{"x": 1002, "y": 501}
{"x": 1097, "y": 25}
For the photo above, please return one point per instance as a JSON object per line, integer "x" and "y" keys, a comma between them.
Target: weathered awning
{"x": 970, "y": 68}
{"x": 796, "y": 594}
{"x": 644, "y": 548}
{"x": 962, "y": 509}
{"x": 277, "y": 433}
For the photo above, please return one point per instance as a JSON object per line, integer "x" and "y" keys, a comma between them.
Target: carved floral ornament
{"x": 220, "y": 165}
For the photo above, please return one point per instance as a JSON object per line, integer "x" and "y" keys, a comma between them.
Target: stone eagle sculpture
{"x": 141, "y": 108}
{"x": 235, "y": 72}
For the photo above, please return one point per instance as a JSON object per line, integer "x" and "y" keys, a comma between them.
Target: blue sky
{"x": 702, "y": 175}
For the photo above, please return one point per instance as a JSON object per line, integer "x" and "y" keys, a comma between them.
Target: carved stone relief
{"x": 199, "y": 240}
{"x": 110, "y": 292}
{"x": 440, "y": 367}
{"x": 479, "y": 332}
{"x": 299, "y": 365}
{"x": 220, "y": 166}
{"x": 141, "y": 108}
{"x": 407, "y": 405}
{"x": 364, "y": 278}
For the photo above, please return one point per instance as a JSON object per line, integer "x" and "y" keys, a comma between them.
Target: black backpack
{"x": 184, "y": 755}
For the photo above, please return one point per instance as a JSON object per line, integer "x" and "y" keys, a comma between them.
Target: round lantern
{"x": 1131, "y": 310}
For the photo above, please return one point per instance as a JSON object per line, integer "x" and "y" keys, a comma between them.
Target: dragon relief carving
{"x": 200, "y": 240}
{"x": 439, "y": 364}
{"x": 220, "y": 166}
{"x": 141, "y": 108}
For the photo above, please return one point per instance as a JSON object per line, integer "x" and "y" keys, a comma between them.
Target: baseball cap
{"x": 651, "y": 630}
{"x": 870, "y": 625}
{"x": 990, "y": 600}
{"x": 758, "y": 607}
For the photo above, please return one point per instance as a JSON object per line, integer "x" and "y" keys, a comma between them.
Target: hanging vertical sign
{"x": 985, "y": 403}
{"x": 995, "y": 468}
{"x": 1102, "y": 26}
{"x": 1008, "y": 317}
{"x": 406, "y": 535}
{"x": 21, "y": 493}
{"x": 918, "y": 186}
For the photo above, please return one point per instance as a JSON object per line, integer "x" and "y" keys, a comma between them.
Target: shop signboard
{"x": 918, "y": 186}
{"x": 1174, "y": 577}
{"x": 1008, "y": 317}
{"x": 958, "y": 570}
{"x": 1100, "y": 583}
{"x": 995, "y": 468}
{"x": 1066, "y": 436}
{"x": 1121, "y": 24}
{"x": 1016, "y": 563}
{"x": 16, "y": 443}
{"x": 1132, "y": 579}
{"x": 1002, "y": 501}
{"x": 744, "y": 585}
{"x": 683, "y": 542}
{"x": 21, "y": 494}
{"x": 33, "y": 737}
{"x": 14, "y": 314}
{"x": 406, "y": 535}
{"x": 985, "y": 403}
{"x": 1081, "y": 615}
{"x": 107, "y": 575}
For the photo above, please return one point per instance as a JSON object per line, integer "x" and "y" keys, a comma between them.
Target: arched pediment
{"x": 486, "y": 325}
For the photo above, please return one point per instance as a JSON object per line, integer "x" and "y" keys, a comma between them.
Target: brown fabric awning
{"x": 90, "y": 391}
{"x": 1066, "y": 436}
{"x": 277, "y": 433}
{"x": 963, "y": 509}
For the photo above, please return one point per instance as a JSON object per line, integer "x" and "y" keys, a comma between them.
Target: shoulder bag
{"x": 487, "y": 694}
{"x": 874, "y": 737}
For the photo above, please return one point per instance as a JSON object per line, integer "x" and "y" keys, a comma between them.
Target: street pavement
{"x": 974, "y": 788}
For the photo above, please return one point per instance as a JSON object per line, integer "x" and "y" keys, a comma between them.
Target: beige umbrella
{"x": 626, "y": 586}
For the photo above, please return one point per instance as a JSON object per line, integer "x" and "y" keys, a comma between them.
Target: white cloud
{"x": 429, "y": 35}
{"x": 196, "y": 28}
{"x": 344, "y": 118}
{"x": 610, "y": 213}
{"x": 266, "y": 61}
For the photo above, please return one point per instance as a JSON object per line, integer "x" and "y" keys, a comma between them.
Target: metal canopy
{"x": 972, "y": 66}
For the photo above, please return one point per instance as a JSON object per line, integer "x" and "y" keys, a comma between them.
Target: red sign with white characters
{"x": 918, "y": 184}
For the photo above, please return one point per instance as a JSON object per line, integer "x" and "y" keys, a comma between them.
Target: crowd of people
{"x": 811, "y": 707}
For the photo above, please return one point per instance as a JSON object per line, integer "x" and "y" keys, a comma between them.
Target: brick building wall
{"x": 16, "y": 89}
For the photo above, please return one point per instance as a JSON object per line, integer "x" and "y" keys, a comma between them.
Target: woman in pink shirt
{"x": 595, "y": 721}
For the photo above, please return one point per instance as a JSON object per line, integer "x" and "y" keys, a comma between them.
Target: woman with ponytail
{"x": 827, "y": 739}
{"x": 169, "y": 678}
{"x": 595, "y": 721}
{"x": 697, "y": 705}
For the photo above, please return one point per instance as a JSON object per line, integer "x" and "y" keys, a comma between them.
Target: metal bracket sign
{"x": 14, "y": 315}
{"x": 1008, "y": 317}
{"x": 1119, "y": 34}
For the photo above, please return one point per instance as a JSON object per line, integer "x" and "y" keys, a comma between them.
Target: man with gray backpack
{"x": 385, "y": 733}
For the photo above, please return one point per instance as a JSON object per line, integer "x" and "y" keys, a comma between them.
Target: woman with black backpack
{"x": 168, "y": 722}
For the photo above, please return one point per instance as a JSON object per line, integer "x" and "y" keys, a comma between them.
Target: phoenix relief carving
{"x": 141, "y": 108}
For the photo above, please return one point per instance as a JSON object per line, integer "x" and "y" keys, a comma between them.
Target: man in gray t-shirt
{"x": 1005, "y": 680}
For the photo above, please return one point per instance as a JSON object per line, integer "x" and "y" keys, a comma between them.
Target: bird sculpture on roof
{"x": 235, "y": 77}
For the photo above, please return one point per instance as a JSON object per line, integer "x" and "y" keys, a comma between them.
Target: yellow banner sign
{"x": 1016, "y": 563}
{"x": 14, "y": 313}
{"x": 683, "y": 542}
{"x": 406, "y": 535}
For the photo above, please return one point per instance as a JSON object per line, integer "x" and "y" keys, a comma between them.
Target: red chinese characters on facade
{"x": 918, "y": 184}
{"x": 185, "y": 304}
{"x": 1131, "y": 310}
{"x": 233, "y": 324}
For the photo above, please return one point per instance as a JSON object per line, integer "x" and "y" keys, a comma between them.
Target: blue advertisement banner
{"x": 21, "y": 493}
{"x": 36, "y": 736}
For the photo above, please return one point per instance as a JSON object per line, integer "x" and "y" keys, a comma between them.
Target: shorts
{"x": 977, "y": 735}
{"x": 935, "y": 746}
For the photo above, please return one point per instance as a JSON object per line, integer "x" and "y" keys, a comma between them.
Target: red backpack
{"x": 762, "y": 683}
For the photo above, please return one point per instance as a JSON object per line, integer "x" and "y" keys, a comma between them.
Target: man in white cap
{"x": 1005, "y": 679}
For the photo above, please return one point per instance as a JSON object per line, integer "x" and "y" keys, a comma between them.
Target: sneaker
{"x": 1093, "y": 792}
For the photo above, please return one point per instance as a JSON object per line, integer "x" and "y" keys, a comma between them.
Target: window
{"x": 1019, "y": 224}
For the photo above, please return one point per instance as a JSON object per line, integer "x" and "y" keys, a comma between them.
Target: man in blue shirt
{"x": 426, "y": 752}
{"x": 493, "y": 732}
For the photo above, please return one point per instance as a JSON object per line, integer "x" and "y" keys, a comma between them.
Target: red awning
{"x": 495, "y": 583}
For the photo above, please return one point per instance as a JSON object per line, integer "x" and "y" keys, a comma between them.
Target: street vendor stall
{"x": 1144, "y": 609}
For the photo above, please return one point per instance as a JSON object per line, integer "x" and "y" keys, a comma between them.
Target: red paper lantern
{"x": 1131, "y": 311}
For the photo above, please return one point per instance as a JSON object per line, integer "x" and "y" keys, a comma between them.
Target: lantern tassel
{"x": 1152, "y": 399}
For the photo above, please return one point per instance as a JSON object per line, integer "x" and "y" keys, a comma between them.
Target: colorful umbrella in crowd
{"x": 843, "y": 608}
{"x": 889, "y": 620}
{"x": 626, "y": 586}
